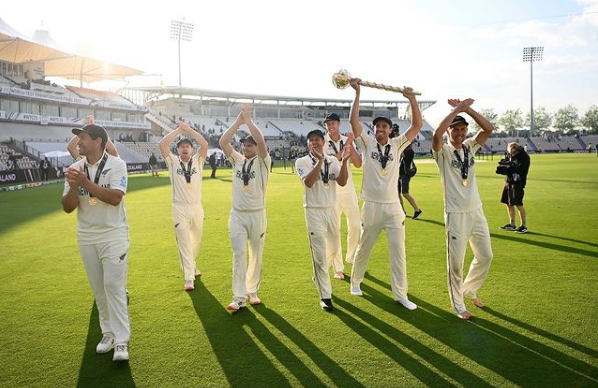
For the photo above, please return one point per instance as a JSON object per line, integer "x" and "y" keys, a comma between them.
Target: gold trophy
{"x": 341, "y": 78}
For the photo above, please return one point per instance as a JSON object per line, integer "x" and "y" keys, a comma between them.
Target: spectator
{"x": 407, "y": 171}
{"x": 513, "y": 192}
{"x": 153, "y": 163}
{"x": 212, "y": 161}
{"x": 44, "y": 168}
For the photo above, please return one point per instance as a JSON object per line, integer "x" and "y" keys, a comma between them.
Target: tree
{"x": 511, "y": 119}
{"x": 489, "y": 114}
{"x": 566, "y": 118}
{"x": 542, "y": 118}
{"x": 590, "y": 120}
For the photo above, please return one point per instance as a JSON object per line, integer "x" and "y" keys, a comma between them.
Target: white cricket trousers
{"x": 460, "y": 228}
{"x": 346, "y": 203}
{"x": 376, "y": 217}
{"x": 247, "y": 228}
{"x": 188, "y": 228}
{"x": 323, "y": 230}
{"x": 106, "y": 267}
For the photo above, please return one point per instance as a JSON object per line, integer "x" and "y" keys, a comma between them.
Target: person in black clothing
{"x": 406, "y": 172}
{"x": 44, "y": 168}
{"x": 153, "y": 162}
{"x": 212, "y": 161}
{"x": 513, "y": 192}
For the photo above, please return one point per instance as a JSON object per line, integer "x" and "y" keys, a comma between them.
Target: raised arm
{"x": 164, "y": 143}
{"x": 356, "y": 127}
{"x": 355, "y": 157}
{"x": 227, "y": 136}
{"x": 459, "y": 106}
{"x": 416, "y": 115}
{"x": 486, "y": 126}
{"x": 262, "y": 149}
{"x": 203, "y": 144}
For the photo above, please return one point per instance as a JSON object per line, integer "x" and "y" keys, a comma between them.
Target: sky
{"x": 457, "y": 49}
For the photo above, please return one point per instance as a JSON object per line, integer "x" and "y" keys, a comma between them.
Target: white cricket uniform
{"x": 465, "y": 221}
{"x": 322, "y": 219}
{"x": 187, "y": 211}
{"x": 247, "y": 222}
{"x": 103, "y": 236}
{"x": 382, "y": 210}
{"x": 346, "y": 202}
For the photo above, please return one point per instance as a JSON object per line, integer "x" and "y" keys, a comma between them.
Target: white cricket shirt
{"x": 320, "y": 194}
{"x": 254, "y": 197}
{"x": 102, "y": 222}
{"x": 458, "y": 198}
{"x": 329, "y": 149}
{"x": 181, "y": 192}
{"x": 375, "y": 186}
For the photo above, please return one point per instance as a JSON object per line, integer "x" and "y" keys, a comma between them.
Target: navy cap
{"x": 249, "y": 139}
{"x": 458, "y": 120}
{"x": 316, "y": 132}
{"x": 332, "y": 116}
{"x": 383, "y": 119}
{"x": 184, "y": 140}
{"x": 94, "y": 130}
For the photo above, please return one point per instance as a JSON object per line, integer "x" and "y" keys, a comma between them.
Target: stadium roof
{"x": 17, "y": 48}
{"x": 236, "y": 97}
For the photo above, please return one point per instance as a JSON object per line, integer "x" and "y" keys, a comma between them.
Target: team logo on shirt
{"x": 105, "y": 172}
{"x": 239, "y": 174}
{"x": 123, "y": 181}
{"x": 375, "y": 155}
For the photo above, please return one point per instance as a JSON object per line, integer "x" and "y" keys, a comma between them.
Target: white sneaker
{"x": 105, "y": 345}
{"x": 409, "y": 305}
{"x": 253, "y": 299}
{"x": 189, "y": 285}
{"x": 121, "y": 353}
{"x": 236, "y": 305}
{"x": 356, "y": 291}
{"x": 197, "y": 272}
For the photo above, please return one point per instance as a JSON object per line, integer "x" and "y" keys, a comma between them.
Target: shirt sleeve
{"x": 303, "y": 168}
{"x": 119, "y": 177}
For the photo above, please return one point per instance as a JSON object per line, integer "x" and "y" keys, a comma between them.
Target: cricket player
{"x": 187, "y": 211}
{"x": 247, "y": 222}
{"x": 346, "y": 196}
{"x": 381, "y": 207}
{"x": 463, "y": 214}
{"x": 320, "y": 175}
{"x": 95, "y": 186}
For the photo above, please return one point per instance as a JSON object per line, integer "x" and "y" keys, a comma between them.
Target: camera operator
{"x": 513, "y": 192}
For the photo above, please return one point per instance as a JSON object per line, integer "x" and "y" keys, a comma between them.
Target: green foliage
{"x": 511, "y": 119}
{"x": 590, "y": 119}
{"x": 566, "y": 118}
{"x": 538, "y": 329}
{"x": 489, "y": 114}
{"x": 542, "y": 118}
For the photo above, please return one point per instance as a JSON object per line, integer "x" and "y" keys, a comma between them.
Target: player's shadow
{"x": 543, "y": 244}
{"x": 99, "y": 368}
{"x": 553, "y": 337}
{"x": 329, "y": 367}
{"x": 379, "y": 335}
{"x": 519, "y": 359}
{"x": 592, "y": 244}
{"x": 236, "y": 350}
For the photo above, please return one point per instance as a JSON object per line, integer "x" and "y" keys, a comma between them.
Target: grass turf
{"x": 538, "y": 329}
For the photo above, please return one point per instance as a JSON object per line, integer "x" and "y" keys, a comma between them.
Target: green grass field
{"x": 540, "y": 327}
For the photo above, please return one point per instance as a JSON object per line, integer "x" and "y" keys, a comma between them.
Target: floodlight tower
{"x": 531, "y": 55}
{"x": 181, "y": 30}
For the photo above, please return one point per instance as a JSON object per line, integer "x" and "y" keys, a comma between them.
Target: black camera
{"x": 504, "y": 166}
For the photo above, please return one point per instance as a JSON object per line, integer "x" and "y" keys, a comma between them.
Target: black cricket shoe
{"x": 326, "y": 304}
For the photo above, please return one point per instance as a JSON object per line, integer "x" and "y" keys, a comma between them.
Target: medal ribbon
{"x": 333, "y": 146}
{"x": 187, "y": 173}
{"x": 463, "y": 164}
{"x": 383, "y": 158}
{"x": 98, "y": 172}
{"x": 245, "y": 172}
{"x": 324, "y": 174}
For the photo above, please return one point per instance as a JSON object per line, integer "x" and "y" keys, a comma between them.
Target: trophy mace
{"x": 341, "y": 78}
